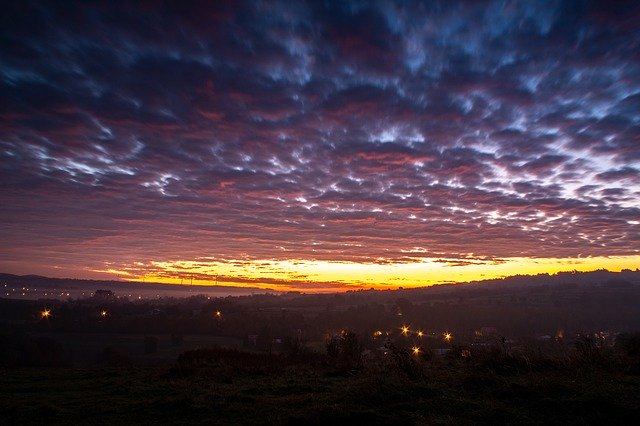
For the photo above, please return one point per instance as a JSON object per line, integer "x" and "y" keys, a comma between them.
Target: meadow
{"x": 228, "y": 386}
{"x": 536, "y": 352}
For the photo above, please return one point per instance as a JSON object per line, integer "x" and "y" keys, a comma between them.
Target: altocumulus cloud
{"x": 341, "y": 131}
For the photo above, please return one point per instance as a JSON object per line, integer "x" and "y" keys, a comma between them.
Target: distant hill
{"x": 40, "y": 281}
{"x": 559, "y": 280}
{"x": 600, "y": 276}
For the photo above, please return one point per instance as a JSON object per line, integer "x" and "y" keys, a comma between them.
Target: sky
{"x": 319, "y": 146}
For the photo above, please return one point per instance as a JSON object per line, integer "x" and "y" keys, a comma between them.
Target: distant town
{"x": 548, "y": 312}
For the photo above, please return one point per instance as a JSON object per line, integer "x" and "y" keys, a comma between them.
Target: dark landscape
{"x": 525, "y": 349}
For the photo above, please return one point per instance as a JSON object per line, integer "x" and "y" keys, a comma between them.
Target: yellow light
{"x": 416, "y": 350}
{"x": 405, "y": 330}
{"x": 218, "y": 314}
{"x": 447, "y": 336}
{"x": 420, "y": 334}
{"x": 103, "y": 313}
{"x": 353, "y": 275}
{"x": 46, "y": 313}
{"x": 377, "y": 333}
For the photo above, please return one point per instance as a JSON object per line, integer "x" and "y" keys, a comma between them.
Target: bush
{"x": 405, "y": 362}
{"x": 586, "y": 351}
{"x": 629, "y": 344}
{"x": 30, "y": 351}
{"x": 345, "y": 349}
{"x": 628, "y": 347}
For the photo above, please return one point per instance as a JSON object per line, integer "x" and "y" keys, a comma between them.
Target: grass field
{"x": 237, "y": 388}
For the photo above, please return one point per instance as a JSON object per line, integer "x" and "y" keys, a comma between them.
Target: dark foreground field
{"x": 222, "y": 386}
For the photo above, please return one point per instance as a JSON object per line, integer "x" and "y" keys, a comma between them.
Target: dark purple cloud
{"x": 353, "y": 131}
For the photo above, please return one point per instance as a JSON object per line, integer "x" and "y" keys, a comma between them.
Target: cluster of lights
{"x": 46, "y": 313}
{"x": 406, "y": 331}
{"x": 36, "y": 292}
{"x": 419, "y": 333}
{"x": 26, "y": 291}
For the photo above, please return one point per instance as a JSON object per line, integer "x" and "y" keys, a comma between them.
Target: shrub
{"x": 586, "y": 351}
{"x": 405, "y": 362}
{"x": 629, "y": 344}
{"x": 345, "y": 349}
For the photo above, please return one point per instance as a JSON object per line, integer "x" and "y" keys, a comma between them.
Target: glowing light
{"x": 345, "y": 275}
{"x": 377, "y": 333}
{"x": 448, "y": 336}
{"x": 415, "y": 350}
{"x": 46, "y": 313}
{"x": 405, "y": 330}
{"x": 218, "y": 314}
{"x": 103, "y": 313}
{"x": 420, "y": 333}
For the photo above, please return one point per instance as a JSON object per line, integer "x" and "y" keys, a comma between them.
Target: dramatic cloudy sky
{"x": 319, "y": 144}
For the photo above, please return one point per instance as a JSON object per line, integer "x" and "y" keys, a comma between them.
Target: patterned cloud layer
{"x": 369, "y": 132}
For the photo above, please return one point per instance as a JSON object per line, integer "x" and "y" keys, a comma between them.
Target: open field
{"x": 86, "y": 349}
{"x": 528, "y": 353}
{"x": 247, "y": 388}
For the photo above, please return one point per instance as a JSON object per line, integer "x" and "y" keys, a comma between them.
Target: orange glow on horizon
{"x": 325, "y": 276}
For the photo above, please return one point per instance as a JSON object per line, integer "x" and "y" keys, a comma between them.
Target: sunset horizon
{"x": 318, "y": 146}
{"x": 339, "y": 280}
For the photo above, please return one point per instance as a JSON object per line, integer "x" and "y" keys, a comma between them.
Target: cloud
{"x": 310, "y": 131}
{"x": 626, "y": 173}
